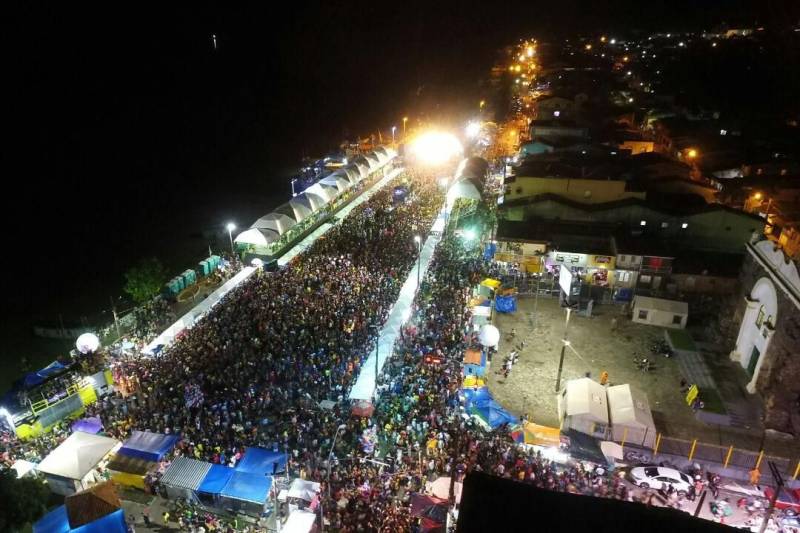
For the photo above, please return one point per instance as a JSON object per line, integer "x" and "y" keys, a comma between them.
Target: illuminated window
{"x": 556, "y": 113}
{"x": 643, "y": 223}
{"x": 664, "y": 225}
{"x": 760, "y": 317}
{"x": 684, "y": 225}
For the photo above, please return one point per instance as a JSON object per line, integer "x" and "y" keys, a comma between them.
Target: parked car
{"x": 659, "y": 477}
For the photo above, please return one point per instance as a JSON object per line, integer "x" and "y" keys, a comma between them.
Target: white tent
{"x": 338, "y": 180}
{"x": 70, "y": 467}
{"x": 299, "y": 521}
{"x": 631, "y": 419}
{"x": 258, "y": 236}
{"x": 462, "y": 189}
{"x": 304, "y": 490}
{"x": 301, "y": 207}
{"x": 583, "y": 406}
{"x": 278, "y": 222}
{"x": 23, "y": 468}
{"x": 324, "y": 191}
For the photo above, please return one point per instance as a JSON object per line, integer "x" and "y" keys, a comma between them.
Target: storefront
{"x": 592, "y": 269}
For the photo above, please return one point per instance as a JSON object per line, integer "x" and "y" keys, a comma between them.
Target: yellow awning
{"x": 542, "y": 435}
{"x": 491, "y": 283}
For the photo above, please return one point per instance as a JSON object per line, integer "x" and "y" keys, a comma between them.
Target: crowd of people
{"x": 254, "y": 371}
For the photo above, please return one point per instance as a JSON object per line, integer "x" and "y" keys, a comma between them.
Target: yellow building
{"x": 586, "y": 190}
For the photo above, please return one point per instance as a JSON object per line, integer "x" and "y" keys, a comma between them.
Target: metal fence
{"x": 726, "y": 456}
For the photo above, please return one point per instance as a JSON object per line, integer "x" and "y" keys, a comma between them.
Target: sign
{"x": 565, "y": 280}
{"x": 691, "y": 395}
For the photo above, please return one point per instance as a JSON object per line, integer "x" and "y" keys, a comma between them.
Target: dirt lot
{"x": 530, "y": 388}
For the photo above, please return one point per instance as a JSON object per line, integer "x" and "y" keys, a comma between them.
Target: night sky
{"x": 130, "y": 133}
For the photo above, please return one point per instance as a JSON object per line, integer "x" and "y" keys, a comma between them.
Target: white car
{"x": 658, "y": 477}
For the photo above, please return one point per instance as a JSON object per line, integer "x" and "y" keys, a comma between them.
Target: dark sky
{"x": 129, "y": 132}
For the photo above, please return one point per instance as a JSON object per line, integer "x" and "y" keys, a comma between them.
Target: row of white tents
{"x": 269, "y": 228}
{"x": 620, "y": 413}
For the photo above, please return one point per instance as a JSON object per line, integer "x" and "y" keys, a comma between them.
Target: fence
{"x": 727, "y": 456}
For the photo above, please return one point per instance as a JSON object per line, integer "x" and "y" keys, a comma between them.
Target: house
{"x": 557, "y": 128}
{"x": 660, "y": 312}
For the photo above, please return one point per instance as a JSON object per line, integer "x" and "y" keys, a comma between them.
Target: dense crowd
{"x": 254, "y": 370}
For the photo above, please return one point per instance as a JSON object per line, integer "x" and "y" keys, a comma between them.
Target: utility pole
{"x": 564, "y": 345}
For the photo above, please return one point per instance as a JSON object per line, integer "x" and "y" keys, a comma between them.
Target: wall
{"x": 778, "y": 378}
{"x": 656, "y": 317}
{"x": 694, "y": 283}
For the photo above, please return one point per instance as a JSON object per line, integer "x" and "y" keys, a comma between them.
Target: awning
{"x": 185, "y": 473}
{"x": 300, "y": 521}
{"x": 491, "y": 283}
{"x": 304, "y": 490}
{"x": 216, "y": 479}
{"x": 77, "y": 455}
{"x": 247, "y": 487}
{"x": 258, "y": 236}
{"x": 260, "y": 461}
{"x": 278, "y": 222}
{"x": 88, "y": 425}
{"x": 148, "y": 446}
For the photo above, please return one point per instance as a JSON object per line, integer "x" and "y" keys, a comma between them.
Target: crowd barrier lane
{"x": 726, "y": 456}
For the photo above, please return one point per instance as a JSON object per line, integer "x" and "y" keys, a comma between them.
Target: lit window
{"x": 665, "y": 224}
{"x": 556, "y": 113}
{"x": 643, "y": 223}
{"x": 684, "y": 225}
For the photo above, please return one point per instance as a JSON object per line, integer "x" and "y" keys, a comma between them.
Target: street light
{"x": 405, "y": 119}
{"x": 231, "y": 226}
{"x": 341, "y": 427}
{"x": 418, "y": 240}
{"x": 393, "y": 129}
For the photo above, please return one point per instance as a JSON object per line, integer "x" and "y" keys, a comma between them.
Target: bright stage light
{"x": 435, "y": 148}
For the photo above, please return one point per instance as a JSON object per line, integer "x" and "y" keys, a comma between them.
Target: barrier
{"x": 725, "y": 456}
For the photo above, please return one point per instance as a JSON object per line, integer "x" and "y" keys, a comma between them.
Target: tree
{"x": 24, "y": 501}
{"x": 145, "y": 280}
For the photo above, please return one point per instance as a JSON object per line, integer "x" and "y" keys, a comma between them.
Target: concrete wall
{"x": 581, "y": 190}
{"x": 777, "y": 378}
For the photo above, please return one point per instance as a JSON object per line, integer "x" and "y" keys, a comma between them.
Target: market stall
{"x": 74, "y": 465}
{"x": 183, "y": 478}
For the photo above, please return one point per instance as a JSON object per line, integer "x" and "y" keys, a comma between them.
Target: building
{"x": 660, "y": 312}
{"x": 768, "y": 339}
{"x": 557, "y": 128}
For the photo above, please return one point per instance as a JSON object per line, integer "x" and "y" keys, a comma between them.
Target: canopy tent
{"x": 473, "y": 356}
{"x": 260, "y": 461}
{"x": 301, "y": 207}
{"x": 278, "y": 222}
{"x": 583, "y": 406}
{"x": 493, "y": 414}
{"x": 373, "y": 159}
{"x": 130, "y": 471}
{"x": 475, "y": 395}
{"x": 148, "y": 446}
{"x": 303, "y": 490}
{"x": 493, "y": 284}
{"x": 324, "y": 191}
{"x": 462, "y": 189}
{"x": 583, "y": 447}
{"x": 299, "y": 521}
{"x": 505, "y": 304}
{"x": 183, "y": 477}
{"x": 338, "y": 180}
{"x": 90, "y": 505}
{"x": 56, "y": 521}
{"x": 246, "y": 492}
{"x": 353, "y": 174}
{"x": 612, "y": 450}
{"x": 23, "y": 468}
{"x": 216, "y": 479}
{"x": 257, "y": 237}
{"x": 631, "y": 419}
{"x": 69, "y": 467}
{"x": 88, "y": 425}
{"x": 537, "y": 435}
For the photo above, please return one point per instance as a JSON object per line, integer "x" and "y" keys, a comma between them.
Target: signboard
{"x": 565, "y": 280}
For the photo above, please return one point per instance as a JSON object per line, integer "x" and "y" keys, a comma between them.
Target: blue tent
{"x": 148, "y": 446}
{"x": 259, "y": 461}
{"x": 489, "y": 251}
{"x": 474, "y": 396}
{"x": 56, "y": 521}
{"x": 505, "y": 304}
{"x": 247, "y": 487}
{"x": 216, "y": 479}
{"x": 493, "y": 413}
